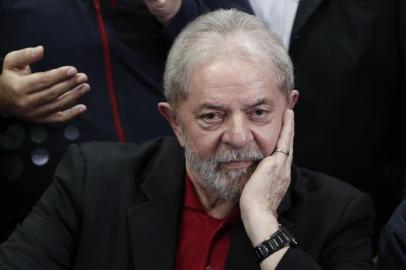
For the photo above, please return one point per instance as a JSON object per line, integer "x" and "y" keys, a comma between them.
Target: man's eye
{"x": 259, "y": 112}
{"x": 209, "y": 116}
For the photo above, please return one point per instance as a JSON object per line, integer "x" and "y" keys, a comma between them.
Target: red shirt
{"x": 204, "y": 241}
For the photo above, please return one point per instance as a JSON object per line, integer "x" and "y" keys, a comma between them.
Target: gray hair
{"x": 224, "y": 33}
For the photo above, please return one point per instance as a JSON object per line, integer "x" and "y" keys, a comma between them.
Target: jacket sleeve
{"x": 349, "y": 246}
{"x": 46, "y": 238}
{"x": 191, "y": 9}
{"x": 392, "y": 248}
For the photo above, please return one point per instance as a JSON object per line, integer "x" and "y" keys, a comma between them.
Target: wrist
{"x": 259, "y": 225}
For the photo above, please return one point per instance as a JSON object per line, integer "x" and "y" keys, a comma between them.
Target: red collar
{"x": 192, "y": 201}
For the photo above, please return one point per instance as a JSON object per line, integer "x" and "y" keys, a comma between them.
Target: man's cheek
{"x": 273, "y": 140}
{"x": 270, "y": 146}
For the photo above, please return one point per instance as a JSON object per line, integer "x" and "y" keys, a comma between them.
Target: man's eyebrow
{"x": 258, "y": 102}
{"x": 210, "y": 106}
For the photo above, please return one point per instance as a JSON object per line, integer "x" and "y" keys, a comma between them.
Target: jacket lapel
{"x": 305, "y": 9}
{"x": 154, "y": 221}
{"x": 153, "y": 231}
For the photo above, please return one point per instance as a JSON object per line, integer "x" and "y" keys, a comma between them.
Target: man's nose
{"x": 237, "y": 133}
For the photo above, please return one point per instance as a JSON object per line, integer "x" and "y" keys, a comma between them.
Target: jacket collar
{"x": 154, "y": 221}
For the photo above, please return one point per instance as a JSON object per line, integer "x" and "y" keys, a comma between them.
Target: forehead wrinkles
{"x": 223, "y": 79}
{"x": 231, "y": 96}
{"x": 224, "y": 87}
{"x": 231, "y": 71}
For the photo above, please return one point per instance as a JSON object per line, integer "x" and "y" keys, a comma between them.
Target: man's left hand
{"x": 267, "y": 186}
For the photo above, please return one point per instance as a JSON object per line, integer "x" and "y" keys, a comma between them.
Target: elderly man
{"x": 223, "y": 196}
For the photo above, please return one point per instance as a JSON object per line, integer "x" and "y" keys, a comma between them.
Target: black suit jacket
{"x": 350, "y": 58}
{"x": 117, "y": 206}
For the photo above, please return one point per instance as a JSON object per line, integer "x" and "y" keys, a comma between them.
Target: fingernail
{"x": 84, "y": 88}
{"x": 81, "y": 108}
{"x": 81, "y": 78}
{"x": 35, "y": 52}
{"x": 70, "y": 72}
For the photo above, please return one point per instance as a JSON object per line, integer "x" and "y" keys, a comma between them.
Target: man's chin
{"x": 237, "y": 176}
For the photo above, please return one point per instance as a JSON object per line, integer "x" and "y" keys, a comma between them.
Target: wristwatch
{"x": 280, "y": 239}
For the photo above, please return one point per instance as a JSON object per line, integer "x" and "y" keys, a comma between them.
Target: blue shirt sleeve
{"x": 392, "y": 249}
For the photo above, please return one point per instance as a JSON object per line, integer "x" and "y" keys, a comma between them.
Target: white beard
{"x": 224, "y": 184}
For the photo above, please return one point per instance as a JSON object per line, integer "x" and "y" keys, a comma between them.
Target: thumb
{"x": 22, "y": 58}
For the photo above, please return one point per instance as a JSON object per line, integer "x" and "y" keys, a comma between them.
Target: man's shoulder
{"x": 107, "y": 161}
{"x": 322, "y": 187}
{"x": 103, "y": 169}
{"x": 328, "y": 204}
{"x": 116, "y": 152}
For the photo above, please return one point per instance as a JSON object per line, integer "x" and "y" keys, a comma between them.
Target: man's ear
{"x": 169, "y": 113}
{"x": 293, "y": 97}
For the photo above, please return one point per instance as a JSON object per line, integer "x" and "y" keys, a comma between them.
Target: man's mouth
{"x": 237, "y": 165}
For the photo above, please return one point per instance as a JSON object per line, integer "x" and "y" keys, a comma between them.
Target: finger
{"x": 56, "y": 91}
{"x": 61, "y": 104}
{"x": 66, "y": 115}
{"x": 291, "y": 139}
{"x": 286, "y": 135}
{"x": 21, "y": 58}
{"x": 41, "y": 80}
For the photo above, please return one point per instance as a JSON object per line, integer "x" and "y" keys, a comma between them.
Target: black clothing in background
{"x": 349, "y": 58}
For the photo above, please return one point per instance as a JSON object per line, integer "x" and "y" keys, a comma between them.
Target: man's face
{"x": 229, "y": 121}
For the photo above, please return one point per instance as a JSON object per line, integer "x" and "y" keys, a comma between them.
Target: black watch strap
{"x": 280, "y": 239}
